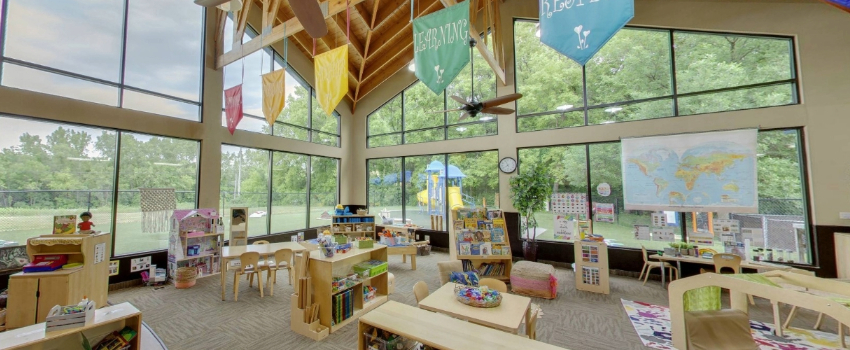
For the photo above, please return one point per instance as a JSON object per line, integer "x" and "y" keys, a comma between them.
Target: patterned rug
{"x": 652, "y": 323}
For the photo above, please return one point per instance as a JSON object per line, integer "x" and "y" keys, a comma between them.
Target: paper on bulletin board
{"x": 604, "y": 212}
{"x": 663, "y": 234}
{"x": 99, "y": 252}
{"x": 733, "y": 226}
{"x": 113, "y": 267}
{"x": 564, "y": 227}
{"x": 659, "y": 219}
{"x": 642, "y": 233}
{"x": 140, "y": 264}
{"x": 569, "y": 203}
{"x": 700, "y": 237}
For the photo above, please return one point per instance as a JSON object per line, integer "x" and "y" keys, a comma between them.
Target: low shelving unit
{"x": 360, "y": 225}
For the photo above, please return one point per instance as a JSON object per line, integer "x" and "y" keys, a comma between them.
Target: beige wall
{"x": 824, "y": 53}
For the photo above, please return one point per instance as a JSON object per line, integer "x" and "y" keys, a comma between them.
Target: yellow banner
{"x": 331, "y": 77}
{"x": 274, "y": 94}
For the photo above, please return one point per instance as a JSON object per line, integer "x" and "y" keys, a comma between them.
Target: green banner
{"x": 441, "y": 46}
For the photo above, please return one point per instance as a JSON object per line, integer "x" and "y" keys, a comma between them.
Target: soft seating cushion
{"x": 446, "y": 268}
{"x": 722, "y": 329}
{"x": 534, "y": 279}
{"x": 468, "y": 278}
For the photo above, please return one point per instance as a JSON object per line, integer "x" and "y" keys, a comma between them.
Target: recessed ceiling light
{"x": 613, "y": 109}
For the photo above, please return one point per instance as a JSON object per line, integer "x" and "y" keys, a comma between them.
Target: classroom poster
{"x": 569, "y": 203}
{"x": 659, "y": 220}
{"x": 113, "y": 267}
{"x": 642, "y": 233}
{"x": 564, "y": 227}
{"x": 604, "y": 212}
{"x": 663, "y": 234}
{"x": 700, "y": 238}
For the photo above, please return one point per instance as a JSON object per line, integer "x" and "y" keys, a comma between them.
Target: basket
{"x": 340, "y": 239}
{"x": 186, "y": 277}
{"x": 476, "y": 303}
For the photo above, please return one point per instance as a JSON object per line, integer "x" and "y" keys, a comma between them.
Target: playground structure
{"x": 431, "y": 199}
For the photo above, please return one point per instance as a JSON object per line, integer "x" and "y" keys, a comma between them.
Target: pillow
{"x": 467, "y": 278}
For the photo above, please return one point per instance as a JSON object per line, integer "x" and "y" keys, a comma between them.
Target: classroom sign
{"x": 579, "y": 28}
{"x": 441, "y": 46}
{"x": 331, "y": 77}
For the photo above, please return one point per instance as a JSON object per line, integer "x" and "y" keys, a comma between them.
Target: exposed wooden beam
{"x": 400, "y": 62}
{"x": 374, "y": 15}
{"x": 277, "y": 34}
{"x": 402, "y": 26}
{"x": 363, "y": 13}
{"x": 366, "y": 53}
{"x": 482, "y": 48}
{"x": 242, "y": 22}
{"x": 387, "y": 57}
{"x": 354, "y": 43}
{"x": 273, "y": 12}
{"x": 387, "y": 10}
{"x": 221, "y": 21}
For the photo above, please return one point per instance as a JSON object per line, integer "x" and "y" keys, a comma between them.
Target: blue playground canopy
{"x": 436, "y": 166}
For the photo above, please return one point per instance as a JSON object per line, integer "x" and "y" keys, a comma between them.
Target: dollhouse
{"x": 195, "y": 241}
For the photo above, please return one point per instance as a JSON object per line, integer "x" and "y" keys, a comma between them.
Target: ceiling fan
{"x": 308, "y": 12}
{"x": 472, "y": 108}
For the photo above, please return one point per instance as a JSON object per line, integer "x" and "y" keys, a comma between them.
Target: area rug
{"x": 652, "y": 324}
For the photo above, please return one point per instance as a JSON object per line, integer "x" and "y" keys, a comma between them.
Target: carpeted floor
{"x": 196, "y": 318}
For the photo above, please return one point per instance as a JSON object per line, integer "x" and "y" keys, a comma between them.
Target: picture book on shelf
{"x": 458, "y": 225}
{"x": 497, "y": 235}
{"x": 64, "y": 224}
{"x": 476, "y": 249}
{"x": 470, "y": 223}
{"x": 486, "y": 248}
{"x": 465, "y": 248}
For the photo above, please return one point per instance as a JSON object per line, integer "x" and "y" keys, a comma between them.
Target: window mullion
{"x": 123, "y": 55}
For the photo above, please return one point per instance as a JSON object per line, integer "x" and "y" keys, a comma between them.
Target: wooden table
{"x": 694, "y": 260}
{"x": 265, "y": 250}
{"x": 440, "y": 331}
{"x": 408, "y": 250}
{"x": 506, "y": 317}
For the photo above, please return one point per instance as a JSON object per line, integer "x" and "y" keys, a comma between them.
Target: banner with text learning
{"x": 441, "y": 46}
{"x": 274, "y": 94}
{"x": 331, "y": 77}
{"x": 703, "y": 172}
{"x": 579, "y": 28}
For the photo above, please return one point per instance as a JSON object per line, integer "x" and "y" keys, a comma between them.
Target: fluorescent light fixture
{"x": 168, "y": 164}
{"x": 613, "y": 109}
{"x": 412, "y": 66}
{"x": 461, "y": 129}
{"x": 485, "y": 118}
{"x": 564, "y": 107}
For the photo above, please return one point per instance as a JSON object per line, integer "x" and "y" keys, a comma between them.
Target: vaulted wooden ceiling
{"x": 380, "y": 42}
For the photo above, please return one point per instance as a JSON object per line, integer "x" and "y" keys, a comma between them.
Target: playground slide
{"x": 455, "y": 199}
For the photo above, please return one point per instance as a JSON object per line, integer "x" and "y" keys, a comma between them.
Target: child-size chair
{"x": 420, "y": 291}
{"x": 649, "y": 265}
{"x": 493, "y": 284}
{"x": 249, "y": 265}
{"x": 282, "y": 261}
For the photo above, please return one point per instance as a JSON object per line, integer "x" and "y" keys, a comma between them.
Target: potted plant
{"x": 673, "y": 250}
{"x": 529, "y": 192}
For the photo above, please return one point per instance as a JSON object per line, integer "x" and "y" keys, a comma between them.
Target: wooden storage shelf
{"x": 379, "y": 299}
{"x": 338, "y": 227}
{"x": 591, "y": 267}
{"x": 484, "y": 257}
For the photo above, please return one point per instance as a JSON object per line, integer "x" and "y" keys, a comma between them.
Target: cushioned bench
{"x": 534, "y": 279}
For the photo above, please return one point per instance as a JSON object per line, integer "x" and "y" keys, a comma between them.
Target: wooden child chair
{"x": 282, "y": 261}
{"x": 249, "y": 265}
{"x": 649, "y": 265}
{"x": 493, "y": 284}
{"x": 420, "y": 291}
{"x": 531, "y": 325}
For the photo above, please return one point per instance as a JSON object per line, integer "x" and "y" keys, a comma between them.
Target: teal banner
{"x": 579, "y": 28}
{"x": 441, "y": 46}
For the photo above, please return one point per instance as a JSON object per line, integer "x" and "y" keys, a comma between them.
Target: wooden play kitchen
{"x": 33, "y": 294}
{"x": 334, "y": 290}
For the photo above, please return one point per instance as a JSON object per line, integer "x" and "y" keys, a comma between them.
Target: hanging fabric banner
{"x": 157, "y": 205}
{"x": 441, "y": 46}
{"x": 233, "y": 107}
{"x": 274, "y": 94}
{"x": 331, "y": 77}
{"x": 578, "y": 29}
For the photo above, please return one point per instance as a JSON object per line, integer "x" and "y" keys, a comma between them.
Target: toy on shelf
{"x": 195, "y": 242}
{"x": 72, "y": 316}
{"x": 85, "y": 225}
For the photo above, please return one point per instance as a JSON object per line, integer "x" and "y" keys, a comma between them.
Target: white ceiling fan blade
{"x": 210, "y": 3}
{"x": 463, "y": 116}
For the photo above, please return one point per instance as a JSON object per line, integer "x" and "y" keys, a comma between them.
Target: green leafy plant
{"x": 529, "y": 192}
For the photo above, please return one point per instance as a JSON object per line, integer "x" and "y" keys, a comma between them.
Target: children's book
{"x": 497, "y": 235}
{"x": 470, "y": 223}
{"x": 478, "y": 236}
{"x": 465, "y": 248}
{"x": 486, "y": 249}
{"x": 476, "y": 249}
{"x": 458, "y": 225}
{"x": 64, "y": 224}
{"x": 499, "y": 249}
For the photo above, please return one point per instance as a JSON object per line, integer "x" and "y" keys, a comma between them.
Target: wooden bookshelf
{"x": 340, "y": 225}
{"x": 480, "y": 215}
{"x": 321, "y": 271}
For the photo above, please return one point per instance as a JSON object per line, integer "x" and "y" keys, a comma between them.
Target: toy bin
{"x": 366, "y": 243}
{"x": 370, "y": 268}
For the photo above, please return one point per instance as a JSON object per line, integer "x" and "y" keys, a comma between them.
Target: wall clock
{"x": 507, "y": 165}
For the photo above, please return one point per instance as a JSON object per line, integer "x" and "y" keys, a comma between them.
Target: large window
{"x": 301, "y": 119}
{"x": 147, "y": 161}
{"x": 283, "y": 191}
{"x": 415, "y": 116}
{"x": 412, "y": 189}
{"x": 61, "y": 169}
{"x": 781, "y": 224}
{"x": 647, "y": 73}
{"x": 130, "y": 67}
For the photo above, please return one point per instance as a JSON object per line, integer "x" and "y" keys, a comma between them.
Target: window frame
{"x": 682, "y": 216}
{"x": 675, "y": 95}
{"x": 4, "y": 9}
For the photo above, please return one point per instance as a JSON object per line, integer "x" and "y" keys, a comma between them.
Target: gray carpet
{"x": 196, "y": 318}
